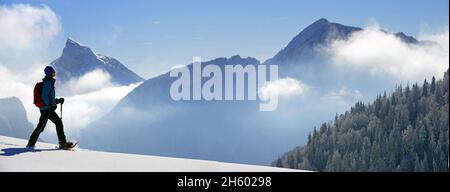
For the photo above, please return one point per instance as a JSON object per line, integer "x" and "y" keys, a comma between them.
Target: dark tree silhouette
{"x": 405, "y": 131}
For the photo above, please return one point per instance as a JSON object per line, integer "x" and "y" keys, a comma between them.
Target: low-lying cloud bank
{"x": 82, "y": 109}
{"x": 383, "y": 53}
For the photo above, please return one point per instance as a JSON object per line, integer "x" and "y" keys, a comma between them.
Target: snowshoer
{"x": 47, "y": 104}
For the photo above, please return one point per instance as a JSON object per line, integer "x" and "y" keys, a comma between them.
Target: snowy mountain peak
{"x": 70, "y": 40}
{"x": 78, "y": 59}
{"x": 321, "y": 31}
{"x": 321, "y": 21}
{"x": 302, "y": 48}
{"x": 75, "y": 49}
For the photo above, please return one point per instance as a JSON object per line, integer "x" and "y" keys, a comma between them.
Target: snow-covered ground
{"x": 15, "y": 157}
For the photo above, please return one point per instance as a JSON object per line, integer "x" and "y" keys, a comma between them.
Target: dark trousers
{"x": 45, "y": 116}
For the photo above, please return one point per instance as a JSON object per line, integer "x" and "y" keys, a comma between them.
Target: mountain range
{"x": 234, "y": 131}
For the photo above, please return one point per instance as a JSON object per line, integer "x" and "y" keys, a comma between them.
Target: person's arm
{"x": 53, "y": 99}
{"x": 46, "y": 88}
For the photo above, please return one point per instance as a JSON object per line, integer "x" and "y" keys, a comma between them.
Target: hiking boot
{"x": 66, "y": 145}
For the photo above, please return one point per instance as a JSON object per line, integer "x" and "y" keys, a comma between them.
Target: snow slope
{"x": 15, "y": 157}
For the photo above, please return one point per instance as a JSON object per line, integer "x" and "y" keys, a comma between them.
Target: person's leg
{"x": 59, "y": 126}
{"x": 39, "y": 128}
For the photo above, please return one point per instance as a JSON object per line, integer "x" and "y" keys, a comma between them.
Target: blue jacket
{"x": 48, "y": 93}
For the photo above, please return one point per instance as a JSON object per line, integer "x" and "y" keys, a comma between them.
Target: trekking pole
{"x": 61, "y": 110}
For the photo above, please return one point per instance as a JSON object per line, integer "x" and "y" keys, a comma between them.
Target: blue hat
{"x": 49, "y": 70}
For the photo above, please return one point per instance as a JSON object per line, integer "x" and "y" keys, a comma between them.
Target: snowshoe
{"x": 68, "y": 146}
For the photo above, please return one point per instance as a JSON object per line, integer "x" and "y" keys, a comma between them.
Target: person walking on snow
{"x": 48, "y": 111}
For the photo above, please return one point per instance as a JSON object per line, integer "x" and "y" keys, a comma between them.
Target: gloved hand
{"x": 53, "y": 107}
{"x": 60, "y": 100}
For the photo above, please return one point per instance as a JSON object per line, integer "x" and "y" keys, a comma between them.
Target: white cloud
{"x": 442, "y": 38}
{"x": 21, "y": 25}
{"x": 13, "y": 85}
{"x": 283, "y": 87}
{"x": 90, "y": 97}
{"x": 25, "y": 34}
{"x": 80, "y": 110}
{"x": 385, "y": 54}
{"x": 91, "y": 81}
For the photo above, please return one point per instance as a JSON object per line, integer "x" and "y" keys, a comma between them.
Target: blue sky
{"x": 151, "y": 36}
